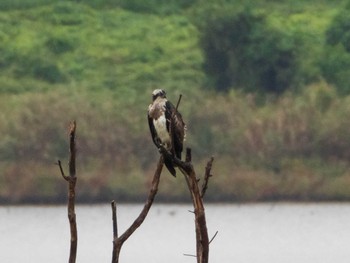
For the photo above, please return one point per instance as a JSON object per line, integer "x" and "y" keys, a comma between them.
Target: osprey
{"x": 166, "y": 126}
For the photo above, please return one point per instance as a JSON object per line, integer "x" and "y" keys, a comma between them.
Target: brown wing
{"x": 177, "y": 128}
{"x": 168, "y": 162}
{"x": 152, "y": 130}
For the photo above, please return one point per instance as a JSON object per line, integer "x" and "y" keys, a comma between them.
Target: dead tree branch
{"x": 115, "y": 230}
{"x": 202, "y": 240}
{"x": 213, "y": 237}
{"x": 119, "y": 241}
{"x": 207, "y": 175}
{"x": 178, "y": 102}
{"x": 72, "y": 180}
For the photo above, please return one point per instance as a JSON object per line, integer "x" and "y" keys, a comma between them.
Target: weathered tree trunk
{"x": 202, "y": 240}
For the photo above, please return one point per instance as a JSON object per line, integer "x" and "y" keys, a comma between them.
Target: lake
{"x": 247, "y": 233}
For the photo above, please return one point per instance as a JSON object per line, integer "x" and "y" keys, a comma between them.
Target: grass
{"x": 98, "y": 63}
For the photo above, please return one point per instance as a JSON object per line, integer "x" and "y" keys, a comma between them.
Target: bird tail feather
{"x": 170, "y": 166}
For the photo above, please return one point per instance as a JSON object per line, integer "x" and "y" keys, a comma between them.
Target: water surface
{"x": 263, "y": 233}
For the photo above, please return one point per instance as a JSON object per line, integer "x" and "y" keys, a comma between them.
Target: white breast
{"x": 160, "y": 126}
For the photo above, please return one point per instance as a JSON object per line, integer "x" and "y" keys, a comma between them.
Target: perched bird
{"x": 166, "y": 126}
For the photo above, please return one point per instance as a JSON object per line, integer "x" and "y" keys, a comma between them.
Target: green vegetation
{"x": 242, "y": 50}
{"x": 335, "y": 63}
{"x": 98, "y": 62}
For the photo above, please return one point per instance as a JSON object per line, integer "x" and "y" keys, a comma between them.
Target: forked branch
{"x": 71, "y": 179}
{"x": 118, "y": 241}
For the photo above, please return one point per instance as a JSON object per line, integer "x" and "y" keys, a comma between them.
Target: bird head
{"x": 158, "y": 93}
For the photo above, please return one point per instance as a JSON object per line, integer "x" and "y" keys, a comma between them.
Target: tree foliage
{"x": 335, "y": 63}
{"x": 243, "y": 51}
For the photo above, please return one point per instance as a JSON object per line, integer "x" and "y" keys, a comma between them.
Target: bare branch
{"x": 115, "y": 229}
{"x": 119, "y": 241}
{"x": 178, "y": 102}
{"x": 72, "y": 180}
{"x": 207, "y": 176}
{"x": 213, "y": 237}
{"x": 72, "y": 148}
{"x": 188, "y": 155}
{"x": 61, "y": 169}
{"x": 114, "y": 220}
{"x": 202, "y": 240}
{"x": 72, "y": 220}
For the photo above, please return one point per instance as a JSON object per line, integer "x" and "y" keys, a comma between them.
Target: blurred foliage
{"x": 156, "y": 6}
{"x": 162, "y": 7}
{"x": 98, "y": 62}
{"x": 335, "y": 63}
{"x": 243, "y": 51}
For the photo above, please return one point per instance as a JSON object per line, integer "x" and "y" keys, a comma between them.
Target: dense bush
{"x": 243, "y": 51}
{"x": 335, "y": 63}
{"x": 339, "y": 29}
